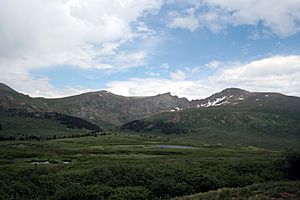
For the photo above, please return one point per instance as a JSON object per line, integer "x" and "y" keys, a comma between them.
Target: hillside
{"x": 226, "y": 125}
{"x": 273, "y": 190}
{"x": 21, "y": 124}
{"x": 10, "y": 98}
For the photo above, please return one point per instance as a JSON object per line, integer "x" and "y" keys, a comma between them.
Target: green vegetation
{"x": 193, "y": 120}
{"x": 272, "y": 190}
{"x": 18, "y": 124}
{"x": 233, "y": 126}
{"x": 119, "y": 166}
{"x": 226, "y": 152}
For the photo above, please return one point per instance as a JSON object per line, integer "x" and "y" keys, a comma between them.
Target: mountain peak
{"x": 166, "y": 94}
{"x": 234, "y": 91}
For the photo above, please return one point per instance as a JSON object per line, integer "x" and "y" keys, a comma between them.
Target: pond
{"x": 41, "y": 162}
{"x": 46, "y": 162}
{"x": 175, "y": 147}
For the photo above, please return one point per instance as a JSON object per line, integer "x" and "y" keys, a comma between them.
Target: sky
{"x": 191, "y": 48}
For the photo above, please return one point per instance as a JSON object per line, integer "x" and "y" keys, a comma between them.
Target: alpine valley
{"x": 234, "y": 144}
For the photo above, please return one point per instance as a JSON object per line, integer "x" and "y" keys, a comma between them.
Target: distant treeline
{"x": 29, "y": 137}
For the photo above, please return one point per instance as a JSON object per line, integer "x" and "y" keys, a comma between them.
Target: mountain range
{"x": 105, "y": 108}
{"x": 232, "y": 116}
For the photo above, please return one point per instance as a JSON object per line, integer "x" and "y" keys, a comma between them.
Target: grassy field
{"x": 123, "y": 166}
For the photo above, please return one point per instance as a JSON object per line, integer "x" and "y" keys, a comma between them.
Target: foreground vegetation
{"x": 272, "y": 190}
{"x": 119, "y": 166}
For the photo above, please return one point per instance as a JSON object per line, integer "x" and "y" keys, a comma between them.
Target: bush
{"x": 133, "y": 193}
{"x": 291, "y": 164}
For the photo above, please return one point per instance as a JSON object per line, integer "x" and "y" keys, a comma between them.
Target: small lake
{"x": 175, "y": 147}
{"x": 46, "y": 162}
{"x": 41, "y": 162}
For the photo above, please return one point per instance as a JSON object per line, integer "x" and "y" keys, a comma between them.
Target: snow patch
{"x": 217, "y": 102}
{"x": 176, "y": 108}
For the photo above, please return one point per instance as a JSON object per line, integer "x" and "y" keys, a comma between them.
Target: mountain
{"x": 115, "y": 109}
{"x": 103, "y": 107}
{"x": 245, "y": 99}
{"x": 24, "y": 117}
{"x": 108, "y": 109}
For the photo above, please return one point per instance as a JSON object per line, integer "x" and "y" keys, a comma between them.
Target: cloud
{"x": 154, "y": 86}
{"x": 87, "y": 34}
{"x": 281, "y": 19}
{"x": 38, "y": 87}
{"x": 185, "y": 23}
{"x": 152, "y": 73}
{"x": 213, "y": 64}
{"x": 37, "y": 33}
{"x": 273, "y": 74}
{"x": 178, "y": 75}
{"x": 276, "y": 73}
{"x": 185, "y": 20}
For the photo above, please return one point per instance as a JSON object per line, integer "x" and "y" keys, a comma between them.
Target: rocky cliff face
{"x": 116, "y": 109}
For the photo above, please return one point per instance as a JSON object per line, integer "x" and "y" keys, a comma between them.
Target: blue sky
{"x": 191, "y": 48}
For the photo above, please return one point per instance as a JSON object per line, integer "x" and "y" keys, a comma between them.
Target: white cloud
{"x": 154, "y": 86}
{"x": 178, "y": 75}
{"x": 38, "y": 87}
{"x": 152, "y": 73}
{"x": 277, "y": 74}
{"x": 213, "y": 64}
{"x": 185, "y": 23}
{"x": 281, "y": 18}
{"x": 70, "y": 32}
{"x": 273, "y": 74}
{"x": 84, "y": 34}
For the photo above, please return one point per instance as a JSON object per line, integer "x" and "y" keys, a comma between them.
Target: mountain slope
{"x": 21, "y": 124}
{"x": 10, "y": 98}
{"x": 226, "y": 125}
{"x": 193, "y": 120}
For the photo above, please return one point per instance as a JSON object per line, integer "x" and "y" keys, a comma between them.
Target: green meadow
{"x": 138, "y": 166}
